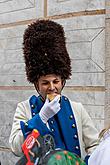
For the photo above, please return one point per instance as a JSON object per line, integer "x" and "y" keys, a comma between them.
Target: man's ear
{"x": 63, "y": 83}
{"x": 36, "y": 86}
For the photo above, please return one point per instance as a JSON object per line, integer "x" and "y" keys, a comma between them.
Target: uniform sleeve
{"x": 17, "y": 134}
{"x": 16, "y": 138}
{"x": 34, "y": 123}
{"x": 90, "y": 133}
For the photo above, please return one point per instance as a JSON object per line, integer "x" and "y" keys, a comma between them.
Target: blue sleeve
{"x": 34, "y": 123}
{"x": 86, "y": 159}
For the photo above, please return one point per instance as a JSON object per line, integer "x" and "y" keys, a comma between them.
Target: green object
{"x": 65, "y": 158}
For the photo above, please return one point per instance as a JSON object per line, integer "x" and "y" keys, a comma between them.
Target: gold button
{"x": 77, "y": 147}
{"x": 32, "y": 106}
{"x": 75, "y": 136}
{"x": 26, "y": 124}
{"x": 65, "y": 98}
{"x": 73, "y": 126}
{"x": 71, "y": 117}
{"x": 51, "y": 121}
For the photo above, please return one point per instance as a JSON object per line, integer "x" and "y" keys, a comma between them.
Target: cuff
{"x": 34, "y": 123}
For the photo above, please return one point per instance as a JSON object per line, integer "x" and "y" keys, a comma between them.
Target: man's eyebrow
{"x": 45, "y": 80}
{"x": 56, "y": 79}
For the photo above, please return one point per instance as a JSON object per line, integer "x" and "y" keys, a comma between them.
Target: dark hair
{"x": 45, "y": 50}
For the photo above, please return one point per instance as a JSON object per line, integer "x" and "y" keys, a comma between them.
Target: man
{"x": 48, "y": 66}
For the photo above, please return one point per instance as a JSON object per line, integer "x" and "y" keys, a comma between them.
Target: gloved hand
{"x": 49, "y": 109}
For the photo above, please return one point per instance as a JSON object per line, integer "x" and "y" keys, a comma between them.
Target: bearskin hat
{"x": 45, "y": 50}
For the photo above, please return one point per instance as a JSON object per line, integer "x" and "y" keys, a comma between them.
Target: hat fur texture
{"x": 45, "y": 50}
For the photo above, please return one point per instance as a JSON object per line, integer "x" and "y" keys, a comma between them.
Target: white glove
{"x": 49, "y": 109}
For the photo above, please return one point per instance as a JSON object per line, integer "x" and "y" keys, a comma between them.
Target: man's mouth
{"x": 51, "y": 96}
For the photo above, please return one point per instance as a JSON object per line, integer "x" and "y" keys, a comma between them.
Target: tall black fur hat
{"x": 45, "y": 50}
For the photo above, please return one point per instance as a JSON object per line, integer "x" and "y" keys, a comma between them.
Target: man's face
{"x": 49, "y": 84}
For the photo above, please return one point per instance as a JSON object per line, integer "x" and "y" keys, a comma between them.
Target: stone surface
{"x": 57, "y": 7}
{"x": 85, "y": 97}
{"x": 87, "y": 79}
{"x": 83, "y": 22}
{"x": 85, "y": 38}
{"x": 7, "y": 158}
{"x": 107, "y": 74}
{"x": 15, "y": 11}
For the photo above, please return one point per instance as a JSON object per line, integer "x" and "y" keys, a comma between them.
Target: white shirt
{"x": 101, "y": 155}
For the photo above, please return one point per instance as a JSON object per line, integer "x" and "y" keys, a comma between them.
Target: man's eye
{"x": 56, "y": 82}
{"x": 45, "y": 83}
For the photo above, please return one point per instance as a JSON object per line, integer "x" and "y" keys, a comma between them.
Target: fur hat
{"x": 45, "y": 50}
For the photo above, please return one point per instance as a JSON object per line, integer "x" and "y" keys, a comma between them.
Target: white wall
{"x": 84, "y": 25}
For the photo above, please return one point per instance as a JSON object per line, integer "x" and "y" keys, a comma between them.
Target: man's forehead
{"x": 49, "y": 77}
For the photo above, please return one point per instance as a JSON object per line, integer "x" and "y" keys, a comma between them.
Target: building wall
{"x": 84, "y": 25}
{"x": 107, "y": 65}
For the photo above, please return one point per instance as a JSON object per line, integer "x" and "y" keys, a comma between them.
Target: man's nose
{"x": 51, "y": 86}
